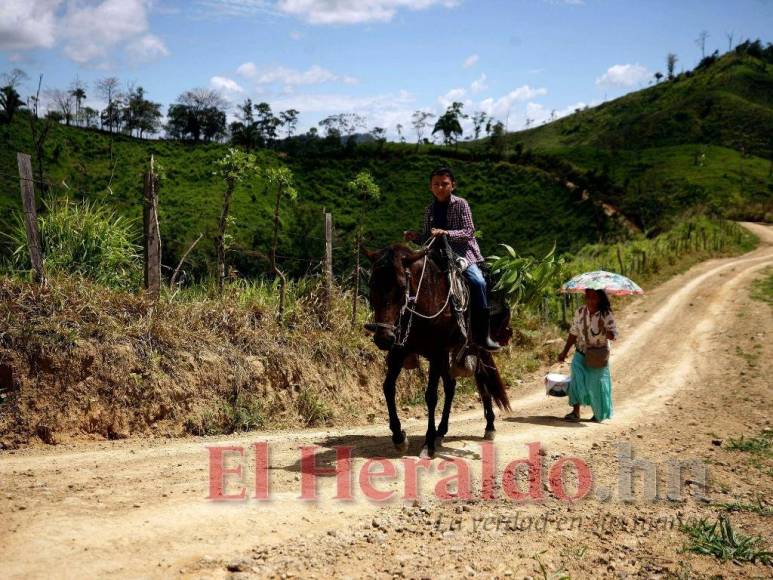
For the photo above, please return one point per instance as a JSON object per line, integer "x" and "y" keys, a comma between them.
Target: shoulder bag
{"x": 596, "y": 357}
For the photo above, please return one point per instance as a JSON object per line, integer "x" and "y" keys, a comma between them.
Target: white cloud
{"x": 315, "y": 75}
{"x": 536, "y": 111}
{"x": 234, "y": 8}
{"x": 92, "y": 30}
{"x": 225, "y": 84}
{"x": 88, "y": 31}
{"x": 538, "y": 114}
{"x": 291, "y": 78}
{"x": 452, "y": 96}
{"x": 28, "y": 24}
{"x": 501, "y": 107}
{"x": 624, "y": 75}
{"x": 337, "y": 103}
{"x": 384, "y": 110}
{"x": 353, "y": 11}
{"x": 470, "y": 60}
{"x": 146, "y": 48}
{"x": 247, "y": 70}
{"x": 479, "y": 84}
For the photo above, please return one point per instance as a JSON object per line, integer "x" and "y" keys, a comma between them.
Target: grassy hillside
{"x": 521, "y": 205}
{"x": 727, "y": 103}
{"x": 701, "y": 142}
{"x": 704, "y": 138}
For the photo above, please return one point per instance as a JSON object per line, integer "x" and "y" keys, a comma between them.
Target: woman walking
{"x": 592, "y": 327}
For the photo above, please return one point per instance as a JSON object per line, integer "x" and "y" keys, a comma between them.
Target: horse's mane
{"x": 396, "y": 250}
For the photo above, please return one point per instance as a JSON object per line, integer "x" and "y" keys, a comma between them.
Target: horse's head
{"x": 388, "y": 290}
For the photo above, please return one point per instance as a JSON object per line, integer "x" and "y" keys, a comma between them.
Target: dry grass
{"x": 86, "y": 359}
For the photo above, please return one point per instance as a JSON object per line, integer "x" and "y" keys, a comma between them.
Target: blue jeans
{"x": 477, "y": 287}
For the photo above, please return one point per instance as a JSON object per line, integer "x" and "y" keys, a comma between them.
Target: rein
{"x": 409, "y": 306}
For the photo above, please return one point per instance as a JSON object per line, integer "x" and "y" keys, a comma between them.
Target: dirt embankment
{"x": 691, "y": 373}
{"x": 77, "y": 360}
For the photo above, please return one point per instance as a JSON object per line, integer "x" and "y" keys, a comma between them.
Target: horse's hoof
{"x": 438, "y": 442}
{"x": 402, "y": 447}
{"x": 426, "y": 453}
{"x": 489, "y": 435}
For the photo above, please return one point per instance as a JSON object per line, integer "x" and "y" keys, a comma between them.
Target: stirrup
{"x": 490, "y": 345}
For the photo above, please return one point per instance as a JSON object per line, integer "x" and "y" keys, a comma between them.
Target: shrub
{"x": 82, "y": 238}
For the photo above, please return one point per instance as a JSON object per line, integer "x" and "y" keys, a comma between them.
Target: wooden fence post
{"x": 30, "y": 216}
{"x": 152, "y": 236}
{"x": 620, "y": 260}
{"x": 329, "y": 261}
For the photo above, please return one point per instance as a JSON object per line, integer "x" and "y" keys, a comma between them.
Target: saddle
{"x": 464, "y": 359}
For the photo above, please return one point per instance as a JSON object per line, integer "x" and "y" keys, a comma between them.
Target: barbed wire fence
{"x": 334, "y": 250}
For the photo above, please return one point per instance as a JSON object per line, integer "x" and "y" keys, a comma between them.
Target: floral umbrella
{"x": 611, "y": 283}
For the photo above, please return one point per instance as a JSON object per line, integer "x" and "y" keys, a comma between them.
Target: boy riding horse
{"x": 450, "y": 215}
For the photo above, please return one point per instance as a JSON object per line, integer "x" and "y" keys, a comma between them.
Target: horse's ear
{"x": 372, "y": 256}
{"x": 411, "y": 257}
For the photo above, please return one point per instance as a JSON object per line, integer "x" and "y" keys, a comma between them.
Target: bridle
{"x": 409, "y": 302}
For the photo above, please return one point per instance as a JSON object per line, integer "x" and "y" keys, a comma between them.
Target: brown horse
{"x": 414, "y": 314}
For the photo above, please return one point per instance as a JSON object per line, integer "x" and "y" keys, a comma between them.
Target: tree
{"x": 281, "y": 180}
{"x": 10, "y": 102}
{"x": 78, "y": 93}
{"x": 729, "y": 36}
{"x": 671, "y": 60}
{"x": 364, "y": 189}
{"x": 448, "y": 123}
{"x": 658, "y": 76}
{"x": 234, "y": 167}
{"x": 244, "y": 131}
{"x": 13, "y": 78}
{"x": 498, "y": 142}
{"x": 197, "y": 115}
{"x": 342, "y": 127}
{"x": 112, "y": 115}
{"x": 107, "y": 88}
{"x": 420, "y": 121}
{"x": 701, "y": 42}
{"x": 379, "y": 135}
{"x": 267, "y": 124}
{"x": 289, "y": 121}
{"x": 89, "y": 117}
{"x": 39, "y": 133}
{"x": 479, "y": 120}
{"x": 332, "y": 131}
{"x": 490, "y": 122}
{"x": 140, "y": 114}
{"x": 64, "y": 102}
{"x": 399, "y": 129}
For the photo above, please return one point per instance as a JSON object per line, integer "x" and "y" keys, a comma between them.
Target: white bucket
{"x": 557, "y": 384}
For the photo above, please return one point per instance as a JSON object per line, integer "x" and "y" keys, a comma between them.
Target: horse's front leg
{"x": 394, "y": 365}
{"x": 430, "y": 396}
{"x": 449, "y": 390}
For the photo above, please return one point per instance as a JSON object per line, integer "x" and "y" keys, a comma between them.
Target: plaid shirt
{"x": 461, "y": 231}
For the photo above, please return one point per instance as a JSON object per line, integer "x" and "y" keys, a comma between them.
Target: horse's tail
{"x": 488, "y": 380}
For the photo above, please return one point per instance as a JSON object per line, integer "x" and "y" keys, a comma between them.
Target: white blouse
{"x": 598, "y": 325}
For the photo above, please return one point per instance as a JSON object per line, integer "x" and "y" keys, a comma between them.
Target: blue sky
{"x": 514, "y": 59}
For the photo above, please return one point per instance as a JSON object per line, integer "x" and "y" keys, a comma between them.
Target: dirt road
{"x": 689, "y": 372}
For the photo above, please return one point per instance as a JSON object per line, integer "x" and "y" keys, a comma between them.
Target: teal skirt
{"x": 591, "y": 387}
